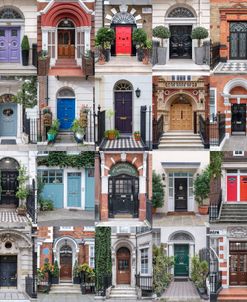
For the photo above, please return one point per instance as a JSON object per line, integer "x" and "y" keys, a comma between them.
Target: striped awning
{"x": 122, "y": 144}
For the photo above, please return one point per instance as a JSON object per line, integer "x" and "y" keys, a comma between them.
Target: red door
{"x": 232, "y": 188}
{"x": 243, "y": 188}
{"x": 123, "y": 40}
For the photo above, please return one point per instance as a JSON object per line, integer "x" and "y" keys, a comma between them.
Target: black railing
{"x": 149, "y": 215}
{"x": 215, "y": 205}
{"x": 87, "y": 284}
{"x": 143, "y": 123}
{"x": 215, "y": 281}
{"x": 102, "y": 283}
{"x": 145, "y": 283}
{"x": 31, "y": 286}
{"x": 31, "y": 203}
{"x": 101, "y": 125}
{"x": 217, "y": 129}
{"x": 34, "y": 55}
{"x": 214, "y": 54}
{"x": 30, "y": 128}
{"x": 115, "y": 206}
{"x": 88, "y": 64}
{"x": 204, "y": 131}
{"x": 157, "y": 131}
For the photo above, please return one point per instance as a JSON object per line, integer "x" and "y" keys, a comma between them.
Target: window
{"x": 212, "y": 106}
{"x": 9, "y": 13}
{"x": 91, "y": 256}
{"x": 238, "y": 153}
{"x": 181, "y": 78}
{"x": 144, "y": 261}
{"x": 156, "y": 237}
{"x": 51, "y": 176}
{"x": 66, "y": 228}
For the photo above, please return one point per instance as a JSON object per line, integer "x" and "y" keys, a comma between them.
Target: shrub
{"x": 202, "y": 186}
{"x": 199, "y": 33}
{"x": 161, "y": 32}
{"x": 46, "y": 204}
{"x": 199, "y": 271}
{"x": 25, "y": 43}
{"x": 104, "y": 36}
{"x": 158, "y": 191}
{"x": 139, "y": 37}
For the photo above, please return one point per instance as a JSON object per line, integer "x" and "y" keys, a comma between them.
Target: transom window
{"x": 66, "y": 92}
{"x": 91, "y": 256}
{"x": 51, "y": 176}
{"x": 123, "y": 18}
{"x": 66, "y": 23}
{"x": 123, "y": 85}
{"x": 9, "y": 13}
{"x": 181, "y": 12}
{"x": 238, "y": 246}
{"x": 144, "y": 261}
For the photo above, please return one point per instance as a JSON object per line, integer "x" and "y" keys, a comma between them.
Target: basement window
{"x": 238, "y": 153}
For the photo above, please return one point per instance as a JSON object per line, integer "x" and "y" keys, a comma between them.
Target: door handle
{"x": 123, "y": 117}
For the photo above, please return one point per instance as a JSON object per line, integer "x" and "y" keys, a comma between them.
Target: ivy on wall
{"x": 103, "y": 264}
{"x": 62, "y": 159}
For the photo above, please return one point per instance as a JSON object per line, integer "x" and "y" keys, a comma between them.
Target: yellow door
{"x": 181, "y": 117}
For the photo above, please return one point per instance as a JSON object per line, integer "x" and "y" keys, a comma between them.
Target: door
{"x": 66, "y": 113}
{"x": 66, "y": 266}
{"x": 238, "y": 268}
{"x": 123, "y": 111}
{"x": 8, "y": 271}
{"x": 123, "y": 266}
{"x": 74, "y": 190}
{"x": 181, "y": 266}
{"x": 181, "y": 193}
{"x": 9, "y": 44}
{"x": 123, "y": 40}
{"x": 181, "y": 117}
{"x": 89, "y": 189}
{"x": 123, "y": 196}
{"x": 238, "y": 117}
{"x": 238, "y": 40}
{"x": 66, "y": 44}
{"x": 181, "y": 42}
{"x": 232, "y": 187}
{"x": 8, "y": 119}
{"x": 243, "y": 188}
{"x": 9, "y": 185}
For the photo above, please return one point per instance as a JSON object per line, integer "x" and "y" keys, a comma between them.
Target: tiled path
{"x": 160, "y": 220}
{"x": 231, "y": 67}
{"x": 6, "y": 296}
{"x": 10, "y": 216}
{"x": 181, "y": 291}
{"x": 65, "y": 298}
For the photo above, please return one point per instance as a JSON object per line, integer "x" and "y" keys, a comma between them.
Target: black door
{"x": 9, "y": 186}
{"x": 8, "y": 271}
{"x": 180, "y": 194}
{"x": 238, "y": 117}
{"x": 238, "y": 40}
{"x": 123, "y": 196}
{"x": 181, "y": 42}
{"x": 123, "y": 111}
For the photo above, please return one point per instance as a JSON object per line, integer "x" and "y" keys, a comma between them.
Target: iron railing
{"x": 101, "y": 116}
{"x": 102, "y": 283}
{"x": 145, "y": 283}
{"x": 31, "y": 203}
{"x": 149, "y": 215}
{"x": 86, "y": 284}
{"x": 30, "y": 128}
{"x": 214, "y": 54}
{"x": 31, "y": 286}
{"x": 217, "y": 129}
{"x": 157, "y": 131}
{"x": 215, "y": 281}
{"x": 204, "y": 131}
{"x": 215, "y": 205}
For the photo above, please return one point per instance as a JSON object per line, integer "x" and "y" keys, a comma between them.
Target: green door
{"x": 181, "y": 266}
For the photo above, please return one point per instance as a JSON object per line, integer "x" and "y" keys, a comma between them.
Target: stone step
{"x": 177, "y": 145}
{"x": 66, "y": 288}
{"x": 182, "y": 299}
{"x": 123, "y": 291}
{"x": 180, "y": 141}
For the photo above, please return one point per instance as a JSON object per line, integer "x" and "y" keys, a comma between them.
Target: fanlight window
{"x": 7, "y": 98}
{"x": 66, "y": 23}
{"x": 66, "y": 92}
{"x": 181, "y": 237}
{"x": 181, "y": 12}
{"x": 238, "y": 27}
{"x": 123, "y": 18}
{"x": 66, "y": 249}
{"x": 8, "y": 163}
{"x": 123, "y": 85}
{"x": 9, "y": 13}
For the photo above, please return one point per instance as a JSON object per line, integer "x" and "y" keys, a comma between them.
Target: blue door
{"x": 8, "y": 119}
{"x": 74, "y": 190}
{"x": 89, "y": 195}
{"x": 65, "y": 113}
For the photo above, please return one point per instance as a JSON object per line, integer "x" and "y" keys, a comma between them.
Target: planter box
{"x": 43, "y": 67}
{"x": 76, "y": 280}
{"x": 199, "y": 55}
{"x": 162, "y": 51}
{"x": 25, "y": 57}
{"x": 54, "y": 280}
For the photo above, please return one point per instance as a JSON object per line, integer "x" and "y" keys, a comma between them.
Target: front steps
{"x": 233, "y": 212}
{"x": 233, "y": 294}
{"x": 123, "y": 293}
{"x": 180, "y": 140}
{"x": 65, "y": 288}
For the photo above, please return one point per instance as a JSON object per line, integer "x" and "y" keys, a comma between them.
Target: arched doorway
{"x": 123, "y": 95}
{"x": 181, "y": 114}
{"x": 66, "y": 108}
{"x": 66, "y": 263}
{"x": 9, "y": 183}
{"x": 8, "y": 116}
{"x": 180, "y": 40}
{"x": 123, "y": 266}
{"x": 10, "y": 35}
{"x": 66, "y": 39}
{"x": 123, "y": 187}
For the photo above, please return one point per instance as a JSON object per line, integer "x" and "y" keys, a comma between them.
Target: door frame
{"x": 83, "y": 189}
{"x": 232, "y": 105}
{"x": 17, "y": 268}
{"x": 238, "y": 253}
{"x": 181, "y": 25}
{"x": 132, "y": 117}
{"x": 69, "y": 29}
{"x": 72, "y": 263}
{"x": 130, "y": 264}
{"x": 174, "y": 102}
{"x": 188, "y": 246}
{"x": 61, "y": 98}
{"x": 187, "y": 188}
{"x": 68, "y": 176}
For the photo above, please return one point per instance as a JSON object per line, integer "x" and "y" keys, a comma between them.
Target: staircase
{"x": 233, "y": 294}
{"x": 66, "y": 67}
{"x": 119, "y": 293}
{"x": 234, "y": 212}
{"x": 65, "y": 137}
{"x": 180, "y": 140}
{"x": 65, "y": 288}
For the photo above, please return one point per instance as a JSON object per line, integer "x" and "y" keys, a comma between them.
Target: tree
{"x": 158, "y": 191}
{"x": 27, "y": 94}
{"x": 161, "y": 32}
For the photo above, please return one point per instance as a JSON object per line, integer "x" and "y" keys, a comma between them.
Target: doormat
{"x": 180, "y": 279}
{"x": 8, "y": 142}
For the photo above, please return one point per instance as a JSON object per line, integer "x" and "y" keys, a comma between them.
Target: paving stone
{"x": 10, "y": 216}
{"x": 162, "y": 220}
{"x": 232, "y": 67}
{"x": 237, "y": 142}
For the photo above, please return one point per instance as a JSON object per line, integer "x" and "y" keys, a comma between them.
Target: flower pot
{"x": 54, "y": 280}
{"x": 43, "y": 66}
{"x": 107, "y": 54}
{"x": 199, "y": 55}
{"x": 137, "y": 138}
{"x": 111, "y": 136}
{"x": 79, "y": 136}
{"x": 76, "y": 280}
{"x": 51, "y": 137}
{"x": 25, "y": 57}
{"x": 203, "y": 210}
{"x": 140, "y": 54}
{"x": 154, "y": 210}
{"x": 21, "y": 211}
{"x": 162, "y": 55}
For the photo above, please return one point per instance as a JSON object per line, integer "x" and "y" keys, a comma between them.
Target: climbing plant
{"x": 62, "y": 159}
{"x": 103, "y": 264}
{"x": 158, "y": 191}
{"x": 216, "y": 158}
{"x": 27, "y": 94}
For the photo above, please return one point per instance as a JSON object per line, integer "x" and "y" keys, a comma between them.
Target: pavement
{"x": 163, "y": 220}
{"x": 236, "y": 66}
{"x": 235, "y": 142}
{"x": 66, "y": 217}
{"x": 12, "y": 296}
{"x": 65, "y": 298}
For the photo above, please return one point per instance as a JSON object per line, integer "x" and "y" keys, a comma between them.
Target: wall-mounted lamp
{"x": 138, "y": 92}
{"x": 163, "y": 176}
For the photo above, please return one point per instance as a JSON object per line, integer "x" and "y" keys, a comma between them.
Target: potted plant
{"x": 78, "y": 130}
{"x": 25, "y": 50}
{"x": 147, "y": 48}
{"x": 43, "y": 65}
{"x": 52, "y": 133}
{"x": 111, "y": 134}
{"x": 55, "y": 273}
{"x": 199, "y": 272}
{"x": 76, "y": 273}
{"x": 22, "y": 191}
{"x": 103, "y": 40}
{"x": 162, "y": 33}
{"x": 158, "y": 192}
{"x": 199, "y": 33}
{"x": 139, "y": 37}
{"x": 137, "y": 135}
{"x": 47, "y": 117}
{"x": 202, "y": 190}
